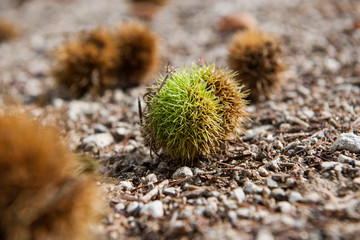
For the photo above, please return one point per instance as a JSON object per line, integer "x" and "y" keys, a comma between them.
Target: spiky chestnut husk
{"x": 191, "y": 114}
{"x": 137, "y": 54}
{"x": 256, "y": 57}
{"x": 8, "y": 31}
{"x": 103, "y": 59}
{"x": 83, "y": 64}
{"x": 231, "y": 97}
{"x": 41, "y": 196}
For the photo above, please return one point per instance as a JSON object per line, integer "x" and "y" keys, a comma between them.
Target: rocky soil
{"x": 295, "y": 175}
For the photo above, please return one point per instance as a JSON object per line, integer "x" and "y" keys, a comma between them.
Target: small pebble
{"x": 345, "y": 159}
{"x": 230, "y": 204}
{"x": 154, "y": 209}
{"x": 99, "y": 140}
{"x": 233, "y": 217}
{"x": 328, "y": 165}
{"x": 125, "y": 185}
{"x": 278, "y": 194}
{"x": 332, "y": 65}
{"x": 264, "y": 234}
{"x": 285, "y": 206}
{"x": 250, "y": 187}
{"x": 121, "y": 133}
{"x": 119, "y": 207}
{"x": 99, "y": 128}
{"x": 273, "y": 164}
{"x": 247, "y": 212}
{"x": 290, "y": 182}
{"x": 114, "y": 235}
{"x": 278, "y": 145}
{"x": 285, "y": 126}
{"x": 211, "y": 206}
{"x": 129, "y": 148}
{"x": 33, "y": 87}
{"x": 312, "y": 197}
{"x": 133, "y": 206}
{"x": 171, "y": 191}
{"x": 215, "y": 193}
{"x": 295, "y": 197}
{"x": 271, "y": 183}
{"x": 239, "y": 195}
{"x": 263, "y": 172}
{"x": 151, "y": 178}
{"x": 182, "y": 172}
{"x": 347, "y": 141}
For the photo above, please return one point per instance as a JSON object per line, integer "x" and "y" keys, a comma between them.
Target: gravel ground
{"x": 295, "y": 175}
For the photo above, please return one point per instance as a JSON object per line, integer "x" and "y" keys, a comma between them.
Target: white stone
{"x": 271, "y": 183}
{"x": 239, "y": 194}
{"x": 154, "y": 209}
{"x": 295, "y": 197}
{"x": 125, "y": 185}
{"x": 132, "y": 207}
{"x": 264, "y": 234}
{"x": 250, "y": 187}
{"x": 332, "y": 65}
{"x": 99, "y": 140}
{"x": 285, "y": 206}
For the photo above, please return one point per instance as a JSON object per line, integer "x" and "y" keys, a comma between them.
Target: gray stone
{"x": 332, "y": 65}
{"x": 171, "y": 191}
{"x": 99, "y": 128}
{"x": 290, "y": 182}
{"x": 119, "y": 207}
{"x": 271, "y": 183}
{"x": 151, "y": 178}
{"x": 347, "y": 141}
{"x": 215, "y": 193}
{"x": 233, "y": 217}
{"x": 33, "y": 87}
{"x": 328, "y": 165}
{"x": 250, "y": 187}
{"x": 273, "y": 164}
{"x": 295, "y": 197}
{"x": 211, "y": 207}
{"x": 239, "y": 195}
{"x": 263, "y": 172}
{"x": 245, "y": 212}
{"x": 345, "y": 159}
{"x": 99, "y": 140}
{"x": 285, "y": 207}
{"x": 182, "y": 172}
{"x": 154, "y": 209}
{"x": 122, "y": 132}
{"x": 278, "y": 194}
{"x": 312, "y": 197}
{"x": 129, "y": 148}
{"x": 230, "y": 204}
{"x": 132, "y": 207}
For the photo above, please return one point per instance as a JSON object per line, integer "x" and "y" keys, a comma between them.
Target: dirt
{"x": 280, "y": 181}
